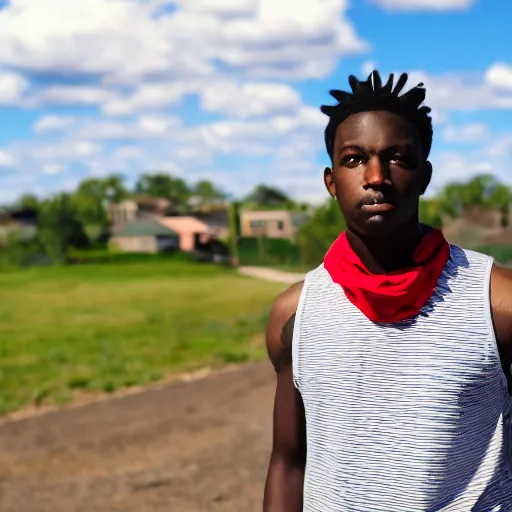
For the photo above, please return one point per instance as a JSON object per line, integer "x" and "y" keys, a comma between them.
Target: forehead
{"x": 376, "y": 129}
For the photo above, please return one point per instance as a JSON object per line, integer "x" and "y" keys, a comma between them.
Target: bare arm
{"x": 285, "y": 478}
{"x": 501, "y": 299}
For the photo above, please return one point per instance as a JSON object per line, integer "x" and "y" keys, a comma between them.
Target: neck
{"x": 386, "y": 254}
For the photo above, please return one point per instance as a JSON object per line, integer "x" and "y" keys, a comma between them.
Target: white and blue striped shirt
{"x": 413, "y": 416}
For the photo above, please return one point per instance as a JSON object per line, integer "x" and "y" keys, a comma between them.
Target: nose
{"x": 376, "y": 173}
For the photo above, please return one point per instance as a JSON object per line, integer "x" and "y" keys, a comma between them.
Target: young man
{"x": 392, "y": 357}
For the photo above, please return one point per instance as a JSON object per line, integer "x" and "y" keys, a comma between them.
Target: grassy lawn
{"x": 99, "y": 327}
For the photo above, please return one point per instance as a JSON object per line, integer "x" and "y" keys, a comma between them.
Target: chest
{"x": 444, "y": 359}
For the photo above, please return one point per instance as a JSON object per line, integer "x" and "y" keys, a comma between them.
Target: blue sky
{"x": 229, "y": 90}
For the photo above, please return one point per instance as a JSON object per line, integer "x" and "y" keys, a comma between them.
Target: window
{"x": 280, "y": 225}
{"x": 257, "y": 223}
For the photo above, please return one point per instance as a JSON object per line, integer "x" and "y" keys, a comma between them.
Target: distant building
{"x": 22, "y": 223}
{"x": 145, "y": 235}
{"x": 217, "y": 222}
{"x": 271, "y": 223}
{"x": 193, "y": 234}
{"x": 137, "y": 208}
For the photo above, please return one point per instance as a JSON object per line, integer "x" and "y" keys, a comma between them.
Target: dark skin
{"x": 377, "y": 156}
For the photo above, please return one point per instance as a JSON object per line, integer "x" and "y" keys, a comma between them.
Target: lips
{"x": 378, "y": 207}
{"x": 377, "y": 204}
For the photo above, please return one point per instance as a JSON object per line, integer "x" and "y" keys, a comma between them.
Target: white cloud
{"x": 86, "y": 148}
{"x": 368, "y": 66}
{"x": 250, "y": 99}
{"x": 425, "y": 5}
{"x": 50, "y": 123}
{"x": 71, "y": 95}
{"x": 157, "y": 125}
{"x": 466, "y": 134}
{"x": 452, "y": 165}
{"x": 502, "y": 146}
{"x": 6, "y": 159}
{"x": 259, "y": 137}
{"x": 150, "y": 96}
{"x": 12, "y": 87}
{"x": 146, "y": 127}
{"x": 125, "y": 40}
{"x": 128, "y": 153}
{"x": 500, "y": 76}
{"x": 51, "y": 169}
{"x": 57, "y": 153}
{"x": 460, "y": 92}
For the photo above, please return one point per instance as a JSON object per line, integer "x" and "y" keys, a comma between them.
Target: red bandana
{"x": 394, "y": 296}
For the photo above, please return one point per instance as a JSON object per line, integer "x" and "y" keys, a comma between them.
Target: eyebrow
{"x": 407, "y": 146}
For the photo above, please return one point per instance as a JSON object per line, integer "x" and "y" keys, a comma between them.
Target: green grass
{"x": 101, "y": 327}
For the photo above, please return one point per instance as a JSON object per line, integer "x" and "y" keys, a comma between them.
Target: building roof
{"x": 184, "y": 224}
{"x": 144, "y": 227}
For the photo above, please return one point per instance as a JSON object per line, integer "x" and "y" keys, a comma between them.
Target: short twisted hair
{"x": 371, "y": 95}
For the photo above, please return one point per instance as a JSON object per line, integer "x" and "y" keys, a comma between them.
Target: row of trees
{"x": 89, "y": 200}
{"x": 92, "y": 195}
{"x": 78, "y": 219}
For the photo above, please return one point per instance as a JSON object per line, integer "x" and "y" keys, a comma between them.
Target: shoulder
{"x": 501, "y": 300}
{"x": 501, "y": 289}
{"x": 280, "y": 323}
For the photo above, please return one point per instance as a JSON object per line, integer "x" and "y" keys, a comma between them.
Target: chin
{"x": 379, "y": 226}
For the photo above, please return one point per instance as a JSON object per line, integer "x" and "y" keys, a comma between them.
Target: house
{"x": 217, "y": 222}
{"x": 141, "y": 207}
{"x": 198, "y": 235}
{"x": 193, "y": 234}
{"x": 271, "y": 223}
{"x": 21, "y": 223}
{"x": 145, "y": 235}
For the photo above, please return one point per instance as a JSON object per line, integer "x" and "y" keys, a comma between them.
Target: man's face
{"x": 379, "y": 172}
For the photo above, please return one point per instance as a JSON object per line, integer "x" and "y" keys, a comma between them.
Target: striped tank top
{"x": 413, "y": 416}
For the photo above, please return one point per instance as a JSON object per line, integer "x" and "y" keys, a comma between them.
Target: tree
{"x": 27, "y": 202}
{"x": 59, "y": 227}
{"x": 431, "y": 212}
{"x": 164, "y": 186}
{"x": 115, "y": 190}
{"x": 483, "y": 191}
{"x": 207, "y": 190}
{"x": 268, "y": 197}
{"x": 316, "y": 236}
{"x": 501, "y": 197}
{"x": 92, "y": 196}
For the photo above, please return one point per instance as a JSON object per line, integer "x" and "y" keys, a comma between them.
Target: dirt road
{"x": 190, "y": 447}
{"x": 271, "y": 274}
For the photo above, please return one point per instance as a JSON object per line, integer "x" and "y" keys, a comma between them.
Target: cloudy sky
{"x": 229, "y": 90}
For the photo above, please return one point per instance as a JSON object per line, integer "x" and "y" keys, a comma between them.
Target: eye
{"x": 404, "y": 161}
{"x": 351, "y": 160}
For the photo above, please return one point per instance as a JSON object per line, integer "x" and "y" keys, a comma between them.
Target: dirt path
{"x": 199, "y": 446}
{"x": 271, "y": 274}
{"x": 190, "y": 447}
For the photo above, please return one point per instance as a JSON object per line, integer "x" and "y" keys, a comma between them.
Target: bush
{"x": 268, "y": 251}
{"x": 318, "y": 234}
{"x": 59, "y": 228}
{"x": 18, "y": 252}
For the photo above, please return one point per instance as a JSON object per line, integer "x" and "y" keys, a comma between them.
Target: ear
{"x": 427, "y": 176}
{"x": 329, "y": 182}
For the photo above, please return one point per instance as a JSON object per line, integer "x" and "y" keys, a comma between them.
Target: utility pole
{"x": 233, "y": 233}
